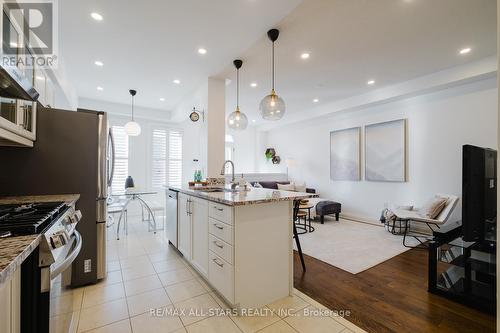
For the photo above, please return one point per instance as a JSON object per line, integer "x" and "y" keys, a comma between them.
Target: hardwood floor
{"x": 390, "y": 297}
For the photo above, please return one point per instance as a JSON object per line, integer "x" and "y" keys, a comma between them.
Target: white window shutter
{"x": 175, "y": 158}
{"x": 159, "y": 158}
{"x": 121, "y": 159}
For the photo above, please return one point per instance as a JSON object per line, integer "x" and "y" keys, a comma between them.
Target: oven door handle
{"x": 70, "y": 258}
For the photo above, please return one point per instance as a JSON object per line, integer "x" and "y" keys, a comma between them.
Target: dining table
{"x": 135, "y": 195}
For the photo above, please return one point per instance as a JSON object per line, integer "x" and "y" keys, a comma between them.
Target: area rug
{"x": 351, "y": 246}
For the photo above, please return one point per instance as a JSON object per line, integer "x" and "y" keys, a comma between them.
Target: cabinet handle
{"x": 217, "y": 262}
{"x": 218, "y": 226}
{"x": 218, "y": 245}
{"x": 219, "y": 209}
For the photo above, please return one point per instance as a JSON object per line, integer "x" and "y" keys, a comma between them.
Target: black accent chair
{"x": 296, "y": 209}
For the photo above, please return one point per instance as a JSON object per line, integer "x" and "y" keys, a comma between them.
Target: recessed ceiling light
{"x": 162, "y": 99}
{"x": 315, "y": 100}
{"x": 253, "y": 84}
{"x": 371, "y": 82}
{"x": 100, "y": 88}
{"x": 465, "y": 50}
{"x": 305, "y": 55}
{"x": 96, "y": 16}
{"x": 202, "y": 51}
{"x": 176, "y": 81}
{"x": 253, "y": 120}
{"x": 40, "y": 78}
{"x": 98, "y": 63}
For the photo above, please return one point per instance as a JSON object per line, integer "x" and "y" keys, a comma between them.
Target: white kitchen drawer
{"x": 221, "y": 212}
{"x": 221, "y": 248}
{"x": 221, "y": 276}
{"x": 221, "y": 230}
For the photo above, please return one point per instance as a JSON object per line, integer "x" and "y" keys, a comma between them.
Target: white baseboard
{"x": 356, "y": 218}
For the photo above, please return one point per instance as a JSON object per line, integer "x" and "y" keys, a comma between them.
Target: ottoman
{"x": 326, "y": 208}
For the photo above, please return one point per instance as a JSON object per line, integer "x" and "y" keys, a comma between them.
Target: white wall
{"x": 194, "y": 148}
{"x": 438, "y": 125}
{"x": 244, "y": 149}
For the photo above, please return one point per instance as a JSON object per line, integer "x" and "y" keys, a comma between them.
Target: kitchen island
{"x": 239, "y": 241}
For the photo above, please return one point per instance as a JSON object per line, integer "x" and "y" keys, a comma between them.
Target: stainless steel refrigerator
{"x": 70, "y": 155}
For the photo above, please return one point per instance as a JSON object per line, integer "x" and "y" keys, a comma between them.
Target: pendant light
{"x": 272, "y": 107}
{"x": 132, "y": 128}
{"x": 237, "y": 120}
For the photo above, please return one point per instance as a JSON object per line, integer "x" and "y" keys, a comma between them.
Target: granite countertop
{"x": 14, "y": 250}
{"x": 68, "y": 198}
{"x": 241, "y": 198}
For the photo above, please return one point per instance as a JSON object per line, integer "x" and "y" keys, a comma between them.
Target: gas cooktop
{"x": 31, "y": 218}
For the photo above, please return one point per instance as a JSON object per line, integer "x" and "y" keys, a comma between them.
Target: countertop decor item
{"x": 237, "y": 120}
{"x": 129, "y": 182}
{"x": 272, "y": 107}
{"x": 276, "y": 159}
{"x": 132, "y": 128}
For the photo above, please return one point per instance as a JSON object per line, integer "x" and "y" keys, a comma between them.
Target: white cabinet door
{"x": 200, "y": 235}
{"x": 184, "y": 225}
{"x": 5, "y": 307}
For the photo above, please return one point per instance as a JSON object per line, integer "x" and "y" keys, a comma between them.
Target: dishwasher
{"x": 172, "y": 217}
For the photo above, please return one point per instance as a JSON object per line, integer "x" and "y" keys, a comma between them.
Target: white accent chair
{"x": 413, "y": 216}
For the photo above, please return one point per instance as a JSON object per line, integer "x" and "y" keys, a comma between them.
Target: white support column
{"x": 216, "y": 125}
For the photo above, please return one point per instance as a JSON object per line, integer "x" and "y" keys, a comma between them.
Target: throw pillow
{"x": 300, "y": 187}
{"x": 257, "y": 185}
{"x": 433, "y": 207}
{"x": 288, "y": 187}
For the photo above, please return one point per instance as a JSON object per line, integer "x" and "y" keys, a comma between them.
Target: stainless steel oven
{"x": 60, "y": 244}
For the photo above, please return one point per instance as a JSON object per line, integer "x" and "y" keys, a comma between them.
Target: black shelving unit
{"x": 463, "y": 271}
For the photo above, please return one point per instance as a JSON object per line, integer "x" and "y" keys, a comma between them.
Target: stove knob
{"x": 67, "y": 221}
{"x": 78, "y": 216}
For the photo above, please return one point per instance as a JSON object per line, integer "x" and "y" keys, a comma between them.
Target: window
{"x": 159, "y": 158}
{"x": 121, "y": 159}
{"x": 175, "y": 158}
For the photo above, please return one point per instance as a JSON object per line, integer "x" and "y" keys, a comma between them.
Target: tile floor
{"x": 145, "y": 273}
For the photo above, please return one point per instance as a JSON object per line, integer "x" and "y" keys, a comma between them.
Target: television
{"x": 479, "y": 193}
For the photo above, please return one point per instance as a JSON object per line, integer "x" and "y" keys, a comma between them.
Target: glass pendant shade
{"x": 237, "y": 120}
{"x": 132, "y": 128}
{"x": 272, "y": 107}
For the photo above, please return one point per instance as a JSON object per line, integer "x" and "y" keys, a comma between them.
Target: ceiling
{"x": 145, "y": 45}
{"x": 352, "y": 42}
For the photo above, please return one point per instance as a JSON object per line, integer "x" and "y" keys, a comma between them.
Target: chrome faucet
{"x": 223, "y": 172}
